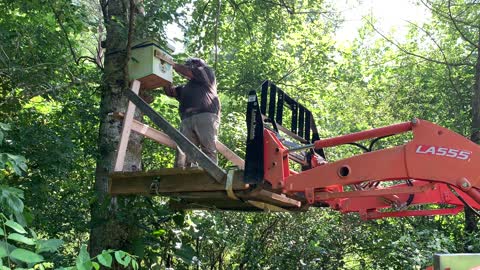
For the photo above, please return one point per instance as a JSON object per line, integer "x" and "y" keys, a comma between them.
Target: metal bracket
{"x": 154, "y": 186}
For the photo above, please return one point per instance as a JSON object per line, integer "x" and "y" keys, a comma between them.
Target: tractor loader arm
{"x": 437, "y": 167}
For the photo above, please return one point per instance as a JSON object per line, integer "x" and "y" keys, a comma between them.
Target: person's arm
{"x": 183, "y": 70}
{"x": 204, "y": 75}
{"x": 170, "y": 91}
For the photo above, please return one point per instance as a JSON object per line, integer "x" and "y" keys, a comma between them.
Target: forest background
{"x": 57, "y": 140}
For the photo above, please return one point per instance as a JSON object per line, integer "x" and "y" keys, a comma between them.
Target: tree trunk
{"x": 107, "y": 231}
{"x": 470, "y": 218}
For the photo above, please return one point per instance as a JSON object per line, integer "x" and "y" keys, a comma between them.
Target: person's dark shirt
{"x": 199, "y": 95}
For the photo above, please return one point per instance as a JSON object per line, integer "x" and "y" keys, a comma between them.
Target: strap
{"x": 228, "y": 185}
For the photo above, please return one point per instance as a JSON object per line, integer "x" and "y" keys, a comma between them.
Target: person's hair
{"x": 196, "y": 62}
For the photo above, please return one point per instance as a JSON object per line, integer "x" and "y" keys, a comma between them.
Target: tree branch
{"x": 417, "y": 55}
{"x": 99, "y": 49}
{"x": 64, "y": 31}
{"x": 219, "y": 3}
{"x": 103, "y": 5}
{"x": 281, "y": 4}
{"x": 464, "y": 37}
{"x": 131, "y": 25}
{"x": 237, "y": 7}
{"x": 449, "y": 69}
{"x": 443, "y": 15}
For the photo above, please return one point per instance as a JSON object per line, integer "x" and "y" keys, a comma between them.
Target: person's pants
{"x": 201, "y": 129}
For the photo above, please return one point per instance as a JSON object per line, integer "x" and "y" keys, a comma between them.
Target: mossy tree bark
{"x": 471, "y": 219}
{"x": 108, "y": 230}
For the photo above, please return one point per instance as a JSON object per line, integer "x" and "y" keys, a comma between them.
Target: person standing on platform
{"x": 199, "y": 108}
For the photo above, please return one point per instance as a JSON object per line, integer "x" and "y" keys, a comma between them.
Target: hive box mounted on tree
{"x": 149, "y": 64}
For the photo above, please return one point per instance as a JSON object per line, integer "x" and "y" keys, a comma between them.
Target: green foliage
{"x": 20, "y": 248}
{"x": 9, "y": 162}
{"x": 49, "y": 110}
{"x": 84, "y": 262}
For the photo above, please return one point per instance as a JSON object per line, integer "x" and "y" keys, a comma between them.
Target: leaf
{"x": 2, "y": 232}
{"x": 119, "y": 256}
{"x": 18, "y": 163}
{"x": 134, "y": 264}
{"x": 83, "y": 261}
{"x": 127, "y": 260}
{"x": 13, "y": 198}
{"x": 34, "y": 235}
{"x": 185, "y": 253}
{"x": 7, "y": 246}
{"x": 96, "y": 265}
{"x": 14, "y": 225}
{"x": 50, "y": 245}
{"x": 105, "y": 259}
{"x": 25, "y": 256}
{"x": 159, "y": 232}
{"x": 3, "y": 251}
{"x": 4, "y": 127}
{"x": 3, "y": 160}
{"x": 21, "y": 238}
{"x": 179, "y": 219}
{"x": 88, "y": 265}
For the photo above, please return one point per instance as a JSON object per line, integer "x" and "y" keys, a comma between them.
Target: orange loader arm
{"x": 437, "y": 167}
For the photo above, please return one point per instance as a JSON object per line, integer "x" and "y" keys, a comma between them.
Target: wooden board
{"x": 216, "y": 204}
{"x": 280, "y": 200}
{"x": 126, "y": 128}
{"x": 193, "y": 188}
{"x": 170, "y": 180}
{"x": 223, "y": 204}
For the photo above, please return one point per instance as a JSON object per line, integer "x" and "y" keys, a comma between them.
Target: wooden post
{"x": 126, "y": 128}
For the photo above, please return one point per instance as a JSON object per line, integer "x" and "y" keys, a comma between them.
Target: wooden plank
{"x": 148, "y": 131}
{"x": 219, "y": 204}
{"x": 163, "y": 138}
{"x": 259, "y": 195}
{"x": 188, "y": 147}
{"x": 230, "y": 155}
{"x": 273, "y": 198}
{"x": 202, "y": 195}
{"x": 212, "y": 205}
{"x": 158, "y": 172}
{"x": 166, "y": 181}
{"x": 126, "y": 127}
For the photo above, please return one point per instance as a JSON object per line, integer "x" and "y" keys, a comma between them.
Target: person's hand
{"x": 170, "y": 91}
{"x": 183, "y": 70}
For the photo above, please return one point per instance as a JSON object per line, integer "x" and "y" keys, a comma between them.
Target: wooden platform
{"x": 195, "y": 189}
